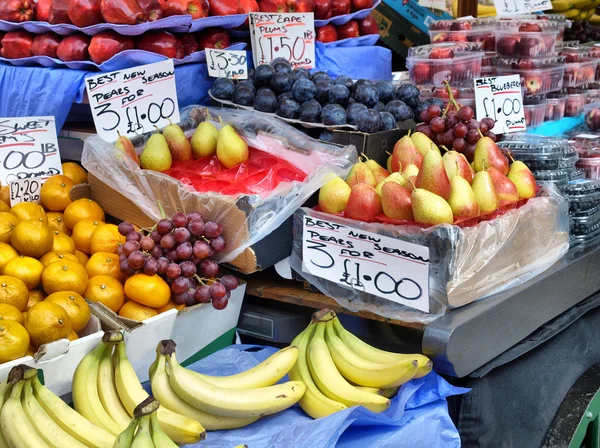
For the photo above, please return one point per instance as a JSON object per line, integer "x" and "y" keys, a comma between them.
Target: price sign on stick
{"x": 28, "y": 148}
{"x": 25, "y": 190}
{"x": 230, "y": 64}
{"x": 385, "y": 267}
{"x": 290, "y": 36}
{"x": 515, "y": 7}
{"x": 133, "y": 101}
{"x": 501, "y": 99}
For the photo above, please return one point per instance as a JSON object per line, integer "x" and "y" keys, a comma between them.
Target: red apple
{"x": 213, "y": 38}
{"x": 196, "y": 8}
{"x": 571, "y": 57}
{"x": 358, "y": 5}
{"x": 273, "y": 6}
{"x": 125, "y": 12}
{"x": 59, "y": 12}
{"x": 441, "y": 53}
{"x": 530, "y": 28}
{"x": 533, "y": 84}
{"x": 17, "y": 44}
{"x": 458, "y": 37}
{"x": 348, "y": 30}
{"x": 507, "y": 45}
{"x": 421, "y": 73}
{"x": 460, "y": 25}
{"x": 248, "y": 6}
{"x": 489, "y": 43}
{"x": 322, "y": 9}
{"x": 340, "y": 7}
{"x": 327, "y": 33}
{"x": 85, "y": 12}
{"x": 592, "y": 119}
{"x": 42, "y": 10}
{"x": 440, "y": 37}
{"x": 46, "y": 45}
{"x": 74, "y": 48}
{"x": 107, "y": 44}
{"x": 190, "y": 44}
{"x": 152, "y": 9}
{"x": 368, "y": 25}
{"x": 301, "y": 5}
{"x": 225, "y": 7}
{"x": 161, "y": 42}
{"x": 17, "y": 10}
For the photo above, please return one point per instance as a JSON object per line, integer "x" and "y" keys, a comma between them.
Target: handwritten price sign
{"x": 131, "y": 102}
{"x": 385, "y": 267}
{"x": 232, "y": 64}
{"x": 28, "y": 148}
{"x": 501, "y": 99}
{"x": 290, "y": 36}
{"x": 25, "y": 190}
{"x": 515, "y": 7}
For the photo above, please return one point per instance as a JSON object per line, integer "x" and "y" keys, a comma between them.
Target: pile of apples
{"x": 422, "y": 186}
{"x": 103, "y": 46}
{"x": 350, "y": 29}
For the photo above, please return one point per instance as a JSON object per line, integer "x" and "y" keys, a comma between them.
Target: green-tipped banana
{"x": 159, "y": 438}
{"x": 107, "y": 391}
{"x": 5, "y": 390}
{"x": 143, "y": 439}
{"x": 125, "y": 439}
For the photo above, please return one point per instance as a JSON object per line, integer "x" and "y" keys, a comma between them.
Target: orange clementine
{"x": 77, "y": 308}
{"x": 29, "y": 210}
{"x": 82, "y": 209}
{"x": 74, "y": 172}
{"x": 65, "y": 275}
{"x": 56, "y": 221}
{"x": 32, "y": 238}
{"x": 55, "y": 193}
{"x": 53, "y": 256}
{"x": 27, "y": 269}
{"x": 4, "y": 207}
{"x": 14, "y": 341}
{"x": 135, "y": 311}
{"x": 106, "y": 238}
{"x": 7, "y": 253}
{"x": 8, "y": 222}
{"x": 149, "y": 290}
{"x": 9, "y": 312}
{"x": 106, "y": 290}
{"x": 47, "y": 322}
{"x": 35, "y": 296}
{"x": 13, "y": 292}
{"x": 5, "y": 194}
{"x": 169, "y": 306}
{"x": 62, "y": 243}
{"x": 104, "y": 263}
{"x": 83, "y": 258}
{"x": 82, "y": 232}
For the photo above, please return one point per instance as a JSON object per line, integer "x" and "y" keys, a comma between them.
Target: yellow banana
{"x": 143, "y": 439}
{"x": 364, "y": 372}
{"x": 180, "y": 429}
{"x": 69, "y": 420}
{"x": 329, "y": 380}
{"x": 486, "y": 10}
{"x": 571, "y": 13}
{"x": 107, "y": 391}
{"x": 229, "y": 402}
{"x": 390, "y": 392}
{"x": 561, "y": 6}
{"x": 164, "y": 393}
{"x": 579, "y": 3}
{"x": 5, "y": 389}
{"x": 371, "y": 390}
{"x": 159, "y": 438}
{"x": 595, "y": 19}
{"x": 125, "y": 439}
{"x": 16, "y": 427}
{"x": 371, "y": 353}
{"x": 313, "y": 402}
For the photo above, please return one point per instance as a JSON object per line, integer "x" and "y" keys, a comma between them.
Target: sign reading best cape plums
{"x": 376, "y": 264}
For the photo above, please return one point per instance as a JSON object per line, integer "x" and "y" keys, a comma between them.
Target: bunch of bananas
{"x": 33, "y": 417}
{"x": 225, "y": 402}
{"x": 144, "y": 430}
{"x": 106, "y": 390}
{"x": 340, "y": 370}
{"x": 575, "y": 9}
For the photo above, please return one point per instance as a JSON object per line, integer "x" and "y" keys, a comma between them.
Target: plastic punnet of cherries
{"x": 179, "y": 250}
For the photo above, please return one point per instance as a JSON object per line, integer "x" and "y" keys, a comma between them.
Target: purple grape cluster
{"x": 180, "y": 250}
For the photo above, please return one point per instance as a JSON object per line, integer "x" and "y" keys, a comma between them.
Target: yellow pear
{"x": 204, "y": 140}
{"x": 333, "y": 196}
{"x": 231, "y": 148}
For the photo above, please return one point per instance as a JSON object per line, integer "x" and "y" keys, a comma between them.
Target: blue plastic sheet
{"x": 417, "y": 418}
{"x": 558, "y": 127}
{"x": 362, "y": 41}
{"x": 350, "y": 61}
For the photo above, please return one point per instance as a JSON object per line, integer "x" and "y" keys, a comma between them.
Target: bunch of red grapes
{"x": 456, "y": 130}
{"x": 180, "y": 250}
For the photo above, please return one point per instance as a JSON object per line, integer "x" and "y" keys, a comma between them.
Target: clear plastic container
{"x": 512, "y": 42}
{"x": 575, "y": 173}
{"x": 584, "y": 241}
{"x": 485, "y": 36}
{"x": 556, "y": 22}
{"x": 538, "y": 75}
{"x": 586, "y": 223}
{"x": 569, "y": 160}
{"x": 583, "y": 195}
{"x": 591, "y": 166}
{"x": 576, "y": 100}
{"x": 534, "y": 110}
{"x": 580, "y": 73}
{"x": 435, "y": 64}
{"x": 462, "y": 24}
{"x": 535, "y": 157}
{"x": 593, "y": 91}
{"x": 555, "y": 110}
{"x": 560, "y": 178}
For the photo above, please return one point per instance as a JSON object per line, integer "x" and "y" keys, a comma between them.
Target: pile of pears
{"x": 162, "y": 149}
{"x": 420, "y": 185}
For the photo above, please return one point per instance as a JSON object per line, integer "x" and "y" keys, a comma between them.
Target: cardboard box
{"x": 198, "y": 331}
{"x": 59, "y": 359}
{"x": 396, "y": 32}
{"x": 415, "y": 14}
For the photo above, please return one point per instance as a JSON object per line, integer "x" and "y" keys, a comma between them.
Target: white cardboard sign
{"x": 501, "y": 98}
{"x": 133, "y": 101}
{"x": 288, "y": 35}
{"x": 232, "y": 64}
{"x": 28, "y": 148}
{"x": 376, "y": 264}
{"x": 25, "y": 190}
{"x": 515, "y": 7}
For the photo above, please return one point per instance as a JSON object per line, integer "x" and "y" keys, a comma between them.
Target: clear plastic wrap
{"x": 466, "y": 264}
{"x": 246, "y": 218}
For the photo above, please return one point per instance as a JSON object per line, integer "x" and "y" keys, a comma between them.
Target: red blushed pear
{"x": 364, "y": 203}
{"x": 457, "y": 164}
{"x": 396, "y": 201}
{"x": 361, "y": 174}
{"x": 378, "y": 171}
{"x": 506, "y": 189}
{"x": 84, "y": 13}
{"x": 405, "y": 153}
{"x": 462, "y": 200}
{"x": 488, "y": 154}
{"x": 125, "y": 145}
{"x": 432, "y": 175}
{"x": 523, "y": 179}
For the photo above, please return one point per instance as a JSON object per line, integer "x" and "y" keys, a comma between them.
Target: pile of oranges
{"x": 53, "y": 257}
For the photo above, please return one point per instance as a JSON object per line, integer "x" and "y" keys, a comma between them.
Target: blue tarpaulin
{"x": 417, "y": 418}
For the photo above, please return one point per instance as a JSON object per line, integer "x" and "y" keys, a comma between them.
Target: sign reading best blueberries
{"x": 375, "y": 264}
{"x": 290, "y": 36}
{"x": 501, "y": 99}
